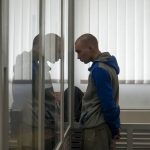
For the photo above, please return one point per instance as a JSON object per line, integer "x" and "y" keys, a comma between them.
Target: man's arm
{"x": 110, "y": 109}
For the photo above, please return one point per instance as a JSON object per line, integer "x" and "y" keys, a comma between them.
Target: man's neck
{"x": 96, "y": 55}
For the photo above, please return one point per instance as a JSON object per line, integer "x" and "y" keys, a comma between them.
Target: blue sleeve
{"x": 104, "y": 88}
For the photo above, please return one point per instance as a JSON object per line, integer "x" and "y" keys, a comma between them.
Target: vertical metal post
{"x": 4, "y": 23}
{"x": 62, "y": 75}
{"x": 71, "y": 60}
{"x": 41, "y": 96}
{"x": 1, "y": 79}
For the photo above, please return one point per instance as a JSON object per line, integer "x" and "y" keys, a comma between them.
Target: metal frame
{"x": 4, "y": 42}
{"x": 71, "y": 60}
{"x": 62, "y": 76}
{"x": 60, "y": 144}
{"x": 4, "y": 21}
{"x": 70, "y": 32}
{"x": 41, "y": 96}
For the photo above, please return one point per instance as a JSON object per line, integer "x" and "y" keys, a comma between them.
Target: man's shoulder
{"x": 99, "y": 66}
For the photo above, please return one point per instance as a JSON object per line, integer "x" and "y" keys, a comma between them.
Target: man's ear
{"x": 90, "y": 47}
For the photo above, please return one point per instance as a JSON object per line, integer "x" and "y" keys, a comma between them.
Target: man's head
{"x": 86, "y": 47}
{"x": 53, "y": 47}
{"x": 35, "y": 48}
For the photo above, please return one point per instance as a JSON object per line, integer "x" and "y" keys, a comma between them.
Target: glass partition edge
{"x": 4, "y": 74}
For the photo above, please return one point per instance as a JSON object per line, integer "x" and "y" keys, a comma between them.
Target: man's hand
{"x": 114, "y": 140}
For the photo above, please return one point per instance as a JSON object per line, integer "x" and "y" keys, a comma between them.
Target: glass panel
{"x": 53, "y": 68}
{"x": 23, "y": 76}
{"x": 52, "y": 89}
{"x": 66, "y": 99}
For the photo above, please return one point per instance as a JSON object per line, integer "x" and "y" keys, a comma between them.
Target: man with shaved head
{"x": 100, "y": 117}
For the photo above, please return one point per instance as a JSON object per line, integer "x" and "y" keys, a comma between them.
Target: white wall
{"x": 135, "y": 96}
{"x": 121, "y": 27}
{"x": 131, "y": 96}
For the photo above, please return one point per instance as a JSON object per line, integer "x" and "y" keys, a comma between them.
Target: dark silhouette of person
{"x": 78, "y": 94}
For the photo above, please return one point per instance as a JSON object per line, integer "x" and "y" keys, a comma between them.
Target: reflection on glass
{"x": 23, "y": 26}
{"x": 24, "y": 108}
{"x": 53, "y": 63}
{"x": 52, "y": 91}
{"x": 24, "y": 75}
